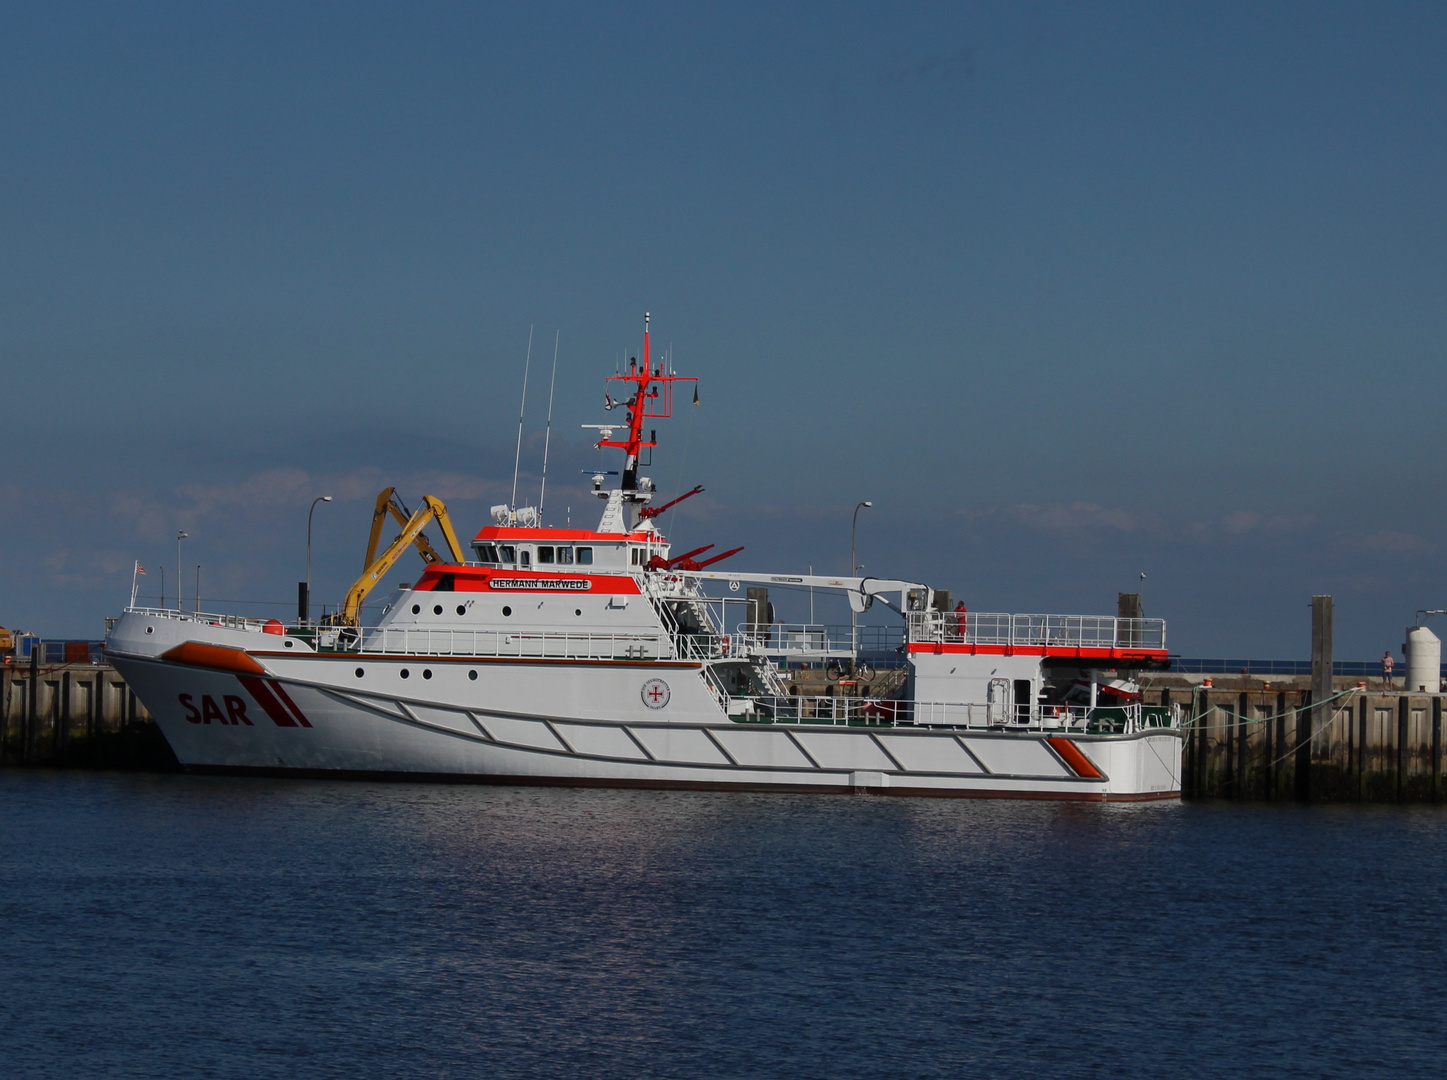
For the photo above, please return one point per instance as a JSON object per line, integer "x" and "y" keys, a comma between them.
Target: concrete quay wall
{"x": 1252, "y": 738}
{"x": 76, "y": 715}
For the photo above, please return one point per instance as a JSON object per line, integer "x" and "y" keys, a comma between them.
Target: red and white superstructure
{"x": 598, "y": 657}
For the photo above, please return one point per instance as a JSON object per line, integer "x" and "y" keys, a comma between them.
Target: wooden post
{"x": 1308, "y": 723}
{"x": 1362, "y": 747}
{"x": 32, "y": 705}
{"x": 1302, "y": 735}
{"x": 1403, "y": 713}
{"x": 62, "y": 720}
{"x": 1128, "y": 606}
{"x": 1436, "y": 748}
{"x": 1198, "y": 759}
{"x": 1243, "y": 779}
{"x": 1228, "y": 762}
{"x": 5, "y": 683}
{"x": 1279, "y": 756}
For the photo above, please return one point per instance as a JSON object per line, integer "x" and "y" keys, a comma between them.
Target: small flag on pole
{"x": 139, "y": 568}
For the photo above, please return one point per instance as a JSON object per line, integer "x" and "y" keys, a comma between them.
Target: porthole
{"x": 472, "y": 675}
{"x": 437, "y": 609}
{"x": 507, "y": 611}
{"x": 578, "y": 611}
{"x": 427, "y": 673}
{"x": 359, "y": 673}
{"x": 406, "y": 673}
{"x": 462, "y": 609}
{"x": 288, "y": 644}
{"x": 149, "y": 629}
{"x": 416, "y": 609}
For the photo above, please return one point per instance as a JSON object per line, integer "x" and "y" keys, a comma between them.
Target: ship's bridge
{"x": 562, "y": 551}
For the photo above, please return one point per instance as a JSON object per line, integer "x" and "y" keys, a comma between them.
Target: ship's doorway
{"x": 1024, "y": 692}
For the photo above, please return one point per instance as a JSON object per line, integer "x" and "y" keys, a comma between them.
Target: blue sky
{"x": 1070, "y": 292}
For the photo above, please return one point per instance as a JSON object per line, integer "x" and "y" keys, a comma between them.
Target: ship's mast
{"x": 649, "y": 397}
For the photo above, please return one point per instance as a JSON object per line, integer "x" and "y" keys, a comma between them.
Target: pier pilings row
{"x": 1262, "y": 743}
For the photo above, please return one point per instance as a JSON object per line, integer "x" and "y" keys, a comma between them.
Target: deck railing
{"x": 560, "y": 645}
{"x": 231, "y": 622}
{"x": 816, "y": 640}
{"x": 1070, "y": 631}
{"x": 1116, "y": 720}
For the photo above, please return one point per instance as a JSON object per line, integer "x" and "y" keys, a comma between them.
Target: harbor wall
{"x": 1255, "y": 739}
{"x": 76, "y": 715}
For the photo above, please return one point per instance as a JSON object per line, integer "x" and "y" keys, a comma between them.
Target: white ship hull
{"x": 584, "y": 724}
{"x": 596, "y": 656}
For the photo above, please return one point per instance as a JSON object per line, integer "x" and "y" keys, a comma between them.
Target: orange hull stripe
{"x": 1072, "y": 756}
{"x": 213, "y": 656}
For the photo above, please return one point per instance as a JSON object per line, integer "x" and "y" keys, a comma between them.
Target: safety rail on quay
{"x": 1072, "y": 631}
{"x": 1105, "y": 719}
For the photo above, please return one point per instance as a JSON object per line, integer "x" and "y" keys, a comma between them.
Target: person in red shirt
{"x": 962, "y": 620}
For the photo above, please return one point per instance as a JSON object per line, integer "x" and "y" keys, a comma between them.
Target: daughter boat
{"x": 597, "y": 657}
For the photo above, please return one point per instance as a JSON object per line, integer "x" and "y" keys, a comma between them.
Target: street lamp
{"x": 853, "y": 566}
{"x": 179, "y": 537}
{"x": 303, "y": 607}
{"x": 853, "y": 562}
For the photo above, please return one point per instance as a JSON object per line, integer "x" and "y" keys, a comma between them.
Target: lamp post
{"x": 303, "y": 607}
{"x": 179, "y": 537}
{"x": 853, "y": 566}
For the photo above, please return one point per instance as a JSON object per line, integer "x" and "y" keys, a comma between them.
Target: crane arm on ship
{"x": 387, "y": 502}
{"x": 431, "y": 509}
{"x": 861, "y": 591}
{"x": 654, "y": 511}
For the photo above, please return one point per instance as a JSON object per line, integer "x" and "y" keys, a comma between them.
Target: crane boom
{"x": 387, "y": 502}
{"x": 430, "y": 510}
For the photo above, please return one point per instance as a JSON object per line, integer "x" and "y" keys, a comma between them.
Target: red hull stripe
{"x": 291, "y": 705}
{"x": 259, "y": 690}
{"x": 1072, "y": 756}
{"x": 1070, "y": 651}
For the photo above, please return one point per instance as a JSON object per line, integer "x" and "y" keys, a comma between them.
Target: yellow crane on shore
{"x": 376, "y": 566}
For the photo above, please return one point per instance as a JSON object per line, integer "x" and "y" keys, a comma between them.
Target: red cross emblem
{"x": 655, "y": 693}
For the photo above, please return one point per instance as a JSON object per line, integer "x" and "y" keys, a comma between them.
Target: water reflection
{"x": 266, "y": 927}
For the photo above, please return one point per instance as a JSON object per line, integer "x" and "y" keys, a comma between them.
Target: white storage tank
{"x": 1424, "y": 660}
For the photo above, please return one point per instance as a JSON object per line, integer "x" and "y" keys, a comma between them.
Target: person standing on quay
{"x": 1387, "y": 665}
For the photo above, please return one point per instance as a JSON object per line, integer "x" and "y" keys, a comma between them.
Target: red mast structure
{"x": 650, "y": 397}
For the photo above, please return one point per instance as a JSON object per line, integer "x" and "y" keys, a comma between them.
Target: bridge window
{"x": 508, "y": 552}
{"x": 565, "y": 555}
{"x": 487, "y": 553}
{"x": 545, "y": 554}
{"x": 585, "y": 556}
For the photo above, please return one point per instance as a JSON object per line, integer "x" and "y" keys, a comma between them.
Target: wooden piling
{"x": 1199, "y": 759}
{"x": 1311, "y": 721}
{"x": 1243, "y": 778}
{"x": 1361, "y": 747}
{"x": 1436, "y": 749}
{"x": 1403, "y": 737}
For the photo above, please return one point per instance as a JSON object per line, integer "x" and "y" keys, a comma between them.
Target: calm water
{"x": 172, "y": 926}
